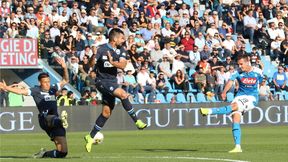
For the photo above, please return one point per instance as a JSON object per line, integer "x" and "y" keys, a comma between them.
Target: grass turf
{"x": 198, "y": 144}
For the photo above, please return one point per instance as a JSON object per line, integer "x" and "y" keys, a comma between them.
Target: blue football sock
{"x": 236, "y": 131}
{"x": 222, "y": 110}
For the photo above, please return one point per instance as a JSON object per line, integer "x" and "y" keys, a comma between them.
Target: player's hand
{"x": 223, "y": 95}
{"x": 110, "y": 58}
{"x": 3, "y": 85}
{"x": 61, "y": 62}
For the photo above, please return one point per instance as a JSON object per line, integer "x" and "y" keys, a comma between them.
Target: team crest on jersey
{"x": 111, "y": 88}
{"x": 117, "y": 51}
{"x": 249, "y": 80}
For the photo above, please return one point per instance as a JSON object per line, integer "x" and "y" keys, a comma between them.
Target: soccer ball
{"x": 98, "y": 138}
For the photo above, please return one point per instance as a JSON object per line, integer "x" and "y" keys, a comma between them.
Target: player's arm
{"x": 121, "y": 64}
{"x": 13, "y": 89}
{"x": 65, "y": 76}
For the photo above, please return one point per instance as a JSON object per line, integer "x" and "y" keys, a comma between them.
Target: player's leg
{"x": 236, "y": 132}
{"x": 58, "y": 135}
{"x": 219, "y": 110}
{"x": 108, "y": 102}
{"x": 222, "y": 110}
{"x": 123, "y": 96}
{"x": 61, "y": 148}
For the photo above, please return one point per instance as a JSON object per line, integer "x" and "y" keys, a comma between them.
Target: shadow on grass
{"x": 168, "y": 150}
{"x": 30, "y": 157}
{"x": 14, "y": 157}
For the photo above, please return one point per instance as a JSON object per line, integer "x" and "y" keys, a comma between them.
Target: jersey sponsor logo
{"x": 50, "y": 98}
{"x": 104, "y": 57}
{"x": 249, "y": 80}
{"x": 107, "y": 64}
{"x": 124, "y": 54}
{"x": 44, "y": 93}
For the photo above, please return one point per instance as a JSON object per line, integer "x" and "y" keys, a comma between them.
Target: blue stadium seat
{"x": 170, "y": 87}
{"x": 191, "y": 71}
{"x": 212, "y": 99}
{"x": 230, "y": 97}
{"x": 191, "y": 98}
{"x": 286, "y": 95}
{"x": 161, "y": 98}
{"x": 201, "y": 97}
{"x": 180, "y": 98}
{"x": 169, "y": 96}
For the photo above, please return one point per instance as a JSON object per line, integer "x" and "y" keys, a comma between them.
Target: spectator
{"x": 71, "y": 99}
{"x": 15, "y": 99}
{"x": 280, "y": 79}
{"x": 250, "y": 25}
{"x": 264, "y": 91}
{"x": 62, "y": 99}
{"x": 187, "y": 42}
{"x": 144, "y": 82}
{"x": 130, "y": 83}
{"x": 200, "y": 80}
{"x": 180, "y": 81}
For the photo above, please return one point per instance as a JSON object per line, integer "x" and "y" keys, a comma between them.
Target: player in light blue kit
{"x": 246, "y": 99}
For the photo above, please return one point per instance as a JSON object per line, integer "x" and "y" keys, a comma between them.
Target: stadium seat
{"x": 191, "y": 72}
{"x": 170, "y": 87}
{"x": 201, "y": 97}
{"x": 180, "y": 98}
{"x": 230, "y": 97}
{"x": 286, "y": 95}
{"x": 191, "y": 98}
{"x": 169, "y": 96}
{"x": 161, "y": 98}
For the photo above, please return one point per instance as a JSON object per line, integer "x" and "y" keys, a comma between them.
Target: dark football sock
{"x": 128, "y": 107}
{"x": 100, "y": 122}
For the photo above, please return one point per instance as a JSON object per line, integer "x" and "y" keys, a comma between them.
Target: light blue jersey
{"x": 248, "y": 82}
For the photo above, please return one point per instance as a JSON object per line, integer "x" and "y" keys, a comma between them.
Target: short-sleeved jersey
{"x": 248, "y": 82}
{"x": 105, "y": 70}
{"x": 45, "y": 101}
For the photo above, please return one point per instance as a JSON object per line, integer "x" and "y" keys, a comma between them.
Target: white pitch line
{"x": 170, "y": 157}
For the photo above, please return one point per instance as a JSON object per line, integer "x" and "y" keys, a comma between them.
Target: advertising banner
{"x": 157, "y": 116}
{"x": 18, "y": 52}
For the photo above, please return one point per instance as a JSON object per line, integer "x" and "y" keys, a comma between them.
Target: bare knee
{"x": 106, "y": 113}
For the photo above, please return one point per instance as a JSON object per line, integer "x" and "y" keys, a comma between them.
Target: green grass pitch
{"x": 263, "y": 144}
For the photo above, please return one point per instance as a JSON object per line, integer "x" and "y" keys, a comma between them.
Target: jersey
{"x": 46, "y": 101}
{"x": 105, "y": 70}
{"x": 248, "y": 82}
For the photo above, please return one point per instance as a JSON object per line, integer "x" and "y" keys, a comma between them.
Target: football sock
{"x": 101, "y": 120}
{"x": 128, "y": 107}
{"x": 54, "y": 154}
{"x": 236, "y": 131}
{"x": 222, "y": 110}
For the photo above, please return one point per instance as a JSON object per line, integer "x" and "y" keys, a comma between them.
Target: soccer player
{"x": 111, "y": 56}
{"x": 246, "y": 99}
{"x": 49, "y": 120}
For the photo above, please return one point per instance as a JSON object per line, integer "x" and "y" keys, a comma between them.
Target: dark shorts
{"x": 51, "y": 132}
{"x": 107, "y": 88}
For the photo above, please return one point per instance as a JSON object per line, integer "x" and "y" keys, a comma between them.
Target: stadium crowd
{"x": 173, "y": 46}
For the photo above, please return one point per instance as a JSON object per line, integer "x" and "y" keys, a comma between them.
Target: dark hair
{"x": 43, "y": 75}
{"x": 243, "y": 56}
{"x": 115, "y": 33}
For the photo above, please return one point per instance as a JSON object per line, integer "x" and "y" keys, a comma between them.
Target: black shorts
{"x": 51, "y": 132}
{"x": 107, "y": 88}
